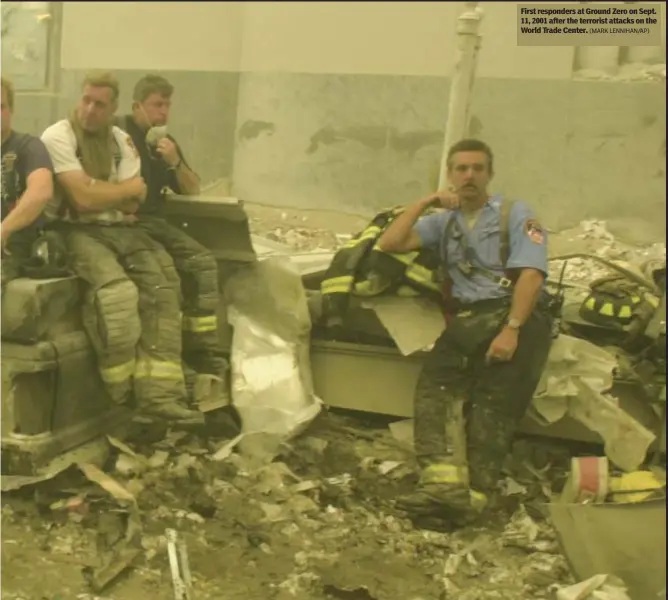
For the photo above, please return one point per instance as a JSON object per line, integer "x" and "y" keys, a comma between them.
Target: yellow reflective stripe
{"x": 607, "y": 310}
{"x": 635, "y": 299}
{"x": 119, "y": 373}
{"x": 337, "y": 285}
{"x": 200, "y": 324}
{"x": 403, "y": 257}
{"x": 625, "y": 312}
{"x": 590, "y": 303}
{"x": 368, "y": 234}
{"x": 158, "y": 369}
{"x": 421, "y": 275}
{"x": 444, "y": 474}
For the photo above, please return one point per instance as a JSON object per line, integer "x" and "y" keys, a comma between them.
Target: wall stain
{"x": 412, "y": 141}
{"x": 375, "y": 137}
{"x": 252, "y": 129}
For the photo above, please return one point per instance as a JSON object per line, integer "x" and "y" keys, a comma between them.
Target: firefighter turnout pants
{"x": 131, "y": 312}
{"x": 197, "y": 271}
{"x": 494, "y": 398}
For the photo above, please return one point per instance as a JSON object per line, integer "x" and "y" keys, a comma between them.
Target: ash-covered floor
{"x": 316, "y": 523}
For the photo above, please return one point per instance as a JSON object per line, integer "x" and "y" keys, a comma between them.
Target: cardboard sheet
{"x": 624, "y": 540}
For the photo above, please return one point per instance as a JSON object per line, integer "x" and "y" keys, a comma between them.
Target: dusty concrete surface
{"x": 315, "y": 524}
{"x": 330, "y": 146}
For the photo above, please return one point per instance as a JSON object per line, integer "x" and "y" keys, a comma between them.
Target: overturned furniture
{"x": 53, "y": 399}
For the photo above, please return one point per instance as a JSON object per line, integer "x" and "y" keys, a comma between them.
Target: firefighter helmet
{"x": 615, "y": 302}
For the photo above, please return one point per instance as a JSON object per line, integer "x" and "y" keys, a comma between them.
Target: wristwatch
{"x": 513, "y": 324}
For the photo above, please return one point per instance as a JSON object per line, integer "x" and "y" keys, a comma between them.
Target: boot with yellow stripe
{"x": 443, "y": 492}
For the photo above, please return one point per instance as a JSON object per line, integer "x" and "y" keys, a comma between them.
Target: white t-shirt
{"x": 61, "y": 143}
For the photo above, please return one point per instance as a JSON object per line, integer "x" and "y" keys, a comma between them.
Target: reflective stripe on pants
{"x": 157, "y": 369}
{"x": 205, "y": 324}
{"x": 118, "y": 373}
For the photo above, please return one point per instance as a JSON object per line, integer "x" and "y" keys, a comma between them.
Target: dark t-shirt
{"x": 154, "y": 169}
{"x": 21, "y": 155}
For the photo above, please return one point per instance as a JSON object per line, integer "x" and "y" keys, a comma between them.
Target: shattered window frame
{"x": 28, "y": 40}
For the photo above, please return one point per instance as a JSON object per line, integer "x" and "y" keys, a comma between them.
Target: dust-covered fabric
{"x": 198, "y": 274}
{"x": 495, "y": 397}
{"x": 131, "y": 312}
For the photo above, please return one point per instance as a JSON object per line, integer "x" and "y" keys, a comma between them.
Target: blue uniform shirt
{"x": 527, "y": 247}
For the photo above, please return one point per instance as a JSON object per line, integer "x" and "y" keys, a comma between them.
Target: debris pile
{"x": 316, "y": 523}
{"x": 301, "y": 238}
{"x": 593, "y": 237}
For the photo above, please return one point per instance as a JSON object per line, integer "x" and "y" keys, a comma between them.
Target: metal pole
{"x": 468, "y": 44}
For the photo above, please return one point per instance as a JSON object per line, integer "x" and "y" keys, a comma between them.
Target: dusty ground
{"x": 314, "y": 524}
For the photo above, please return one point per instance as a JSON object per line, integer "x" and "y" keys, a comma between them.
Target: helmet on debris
{"x": 48, "y": 257}
{"x": 615, "y": 302}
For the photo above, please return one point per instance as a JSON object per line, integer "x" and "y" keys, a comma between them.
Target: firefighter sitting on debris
{"x": 491, "y": 355}
{"x": 131, "y": 309}
{"x": 27, "y": 187}
{"x": 164, "y": 167}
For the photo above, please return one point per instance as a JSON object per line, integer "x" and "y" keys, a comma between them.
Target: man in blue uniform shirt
{"x": 490, "y": 358}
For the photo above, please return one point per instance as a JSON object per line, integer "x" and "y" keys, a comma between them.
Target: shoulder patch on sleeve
{"x": 534, "y": 231}
{"x": 131, "y": 145}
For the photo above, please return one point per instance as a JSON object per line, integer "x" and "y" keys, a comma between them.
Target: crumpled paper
{"x": 574, "y": 381}
{"x": 571, "y": 359}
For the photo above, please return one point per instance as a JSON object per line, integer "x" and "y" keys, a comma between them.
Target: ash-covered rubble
{"x": 296, "y": 232}
{"x": 316, "y": 523}
{"x": 593, "y": 237}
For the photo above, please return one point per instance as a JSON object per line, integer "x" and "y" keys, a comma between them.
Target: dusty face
{"x": 96, "y": 108}
{"x": 154, "y": 111}
{"x": 469, "y": 174}
{"x": 6, "y": 116}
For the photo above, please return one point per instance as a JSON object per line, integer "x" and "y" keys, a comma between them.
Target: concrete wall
{"x": 344, "y": 104}
{"x": 349, "y": 112}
